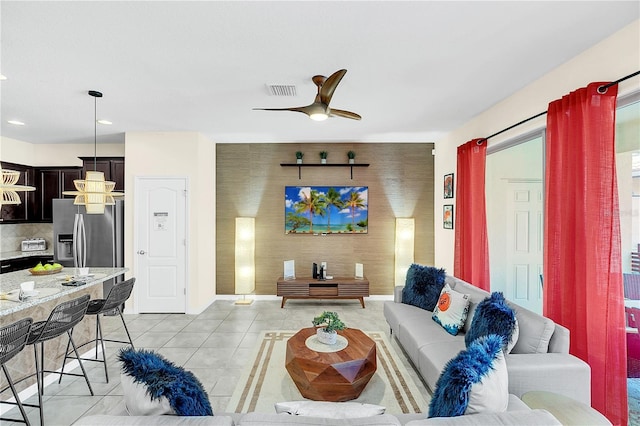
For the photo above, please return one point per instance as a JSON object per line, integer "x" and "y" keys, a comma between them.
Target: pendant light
{"x": 94, "y": 192}
{"x": 8, "y": 187}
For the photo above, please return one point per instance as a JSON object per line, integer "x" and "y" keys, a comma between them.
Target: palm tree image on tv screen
{"x": 326, "y": 209}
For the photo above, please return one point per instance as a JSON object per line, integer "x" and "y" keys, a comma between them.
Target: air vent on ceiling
{"x": 281, "y": 89}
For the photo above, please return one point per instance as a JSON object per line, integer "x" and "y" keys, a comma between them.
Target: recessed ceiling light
{"x": 2, "y": 77}
{"x": 107, "y": 122}
{"x": 16, "y": 122}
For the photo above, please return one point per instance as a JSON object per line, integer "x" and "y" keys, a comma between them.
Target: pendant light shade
{"x": 94, "y": 192}
{"x": 8, "y": 187}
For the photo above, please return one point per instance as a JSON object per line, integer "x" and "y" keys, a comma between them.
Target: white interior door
{"x": 161, "y": 245}
{"x": 524, "y": 244}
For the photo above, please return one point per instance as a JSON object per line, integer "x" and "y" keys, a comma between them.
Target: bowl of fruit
{"x": 46, "y": 269}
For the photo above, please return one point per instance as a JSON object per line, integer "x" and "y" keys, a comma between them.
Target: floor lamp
{"x": 245, "y": 268}
{"x": 405, "y": 235}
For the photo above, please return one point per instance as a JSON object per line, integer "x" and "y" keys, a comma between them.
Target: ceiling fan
{"x": 319, "y": 110}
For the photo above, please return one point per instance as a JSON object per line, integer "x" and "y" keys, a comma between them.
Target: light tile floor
{"x": 214, "y": 345}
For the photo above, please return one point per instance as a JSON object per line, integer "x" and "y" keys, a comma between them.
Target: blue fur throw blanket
{"x": 451, "y": 396}
{"x": 161, "y": 377}
{"x": 493, "y": 316}
{"x": 423, "y": 286}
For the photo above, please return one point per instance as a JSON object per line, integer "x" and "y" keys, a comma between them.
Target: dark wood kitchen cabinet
{"x": 21, "y": 263}
{"x": 22, "y": 212}
{"x": 112, "y": 167}
{"x": 50, "y": 183}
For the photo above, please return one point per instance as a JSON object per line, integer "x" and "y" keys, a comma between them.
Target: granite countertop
{"x": 49, "y": 286}
{"x": 8, "y": 255}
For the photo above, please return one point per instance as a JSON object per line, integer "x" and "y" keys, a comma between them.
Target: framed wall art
{"x": 447, "y": 216}
{"x": 326, "y": 209}
{"x": 448, "y": 185}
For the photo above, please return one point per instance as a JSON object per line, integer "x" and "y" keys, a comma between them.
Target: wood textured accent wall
{"x": 250, "y": 182}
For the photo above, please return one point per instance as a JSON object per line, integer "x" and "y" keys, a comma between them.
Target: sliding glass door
{"x": 515, "y": 207}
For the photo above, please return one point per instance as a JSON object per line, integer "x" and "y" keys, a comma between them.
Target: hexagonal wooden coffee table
{"x": 331, "y": 376}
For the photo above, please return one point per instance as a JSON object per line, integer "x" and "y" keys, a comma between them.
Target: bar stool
{"x": 13, "y": 338}
{"x": 118, "y": 294}
{"x": 62, "y": 319}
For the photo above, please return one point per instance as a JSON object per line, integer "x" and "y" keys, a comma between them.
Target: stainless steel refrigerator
{"x": 100, "y": 243}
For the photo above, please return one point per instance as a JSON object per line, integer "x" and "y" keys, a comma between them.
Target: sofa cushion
{"x": 475, "y": 381}
{"x": 111, "y": 420}
{"x": 264, "y": 419}
{"x": 433, "y": 358}
{"x": 397, "y": 313}
{"x": 521, "y": 417}
{"x": 423, "y": 286}
{"x": 535, "y": 332}
{"x": 494, "y": 316}
{"x": 451, "y": 310}
{"x": 162, "y": 378}
{"x": 333, "y": 410}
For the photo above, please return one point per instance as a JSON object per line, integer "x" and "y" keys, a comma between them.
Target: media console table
{"x": 335, "y": 288}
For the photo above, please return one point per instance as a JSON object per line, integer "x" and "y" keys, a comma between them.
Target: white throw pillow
{"x": 329, "y": 410}
{"x": 491, "y": 394}
{"x": 138, "y": 402}
{"x": 451, "y": 310}
{"x": 514, "y": 337}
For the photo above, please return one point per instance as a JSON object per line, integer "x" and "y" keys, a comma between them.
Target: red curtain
{"x": 582, "y": 261}
{"x": 471, "y": 257}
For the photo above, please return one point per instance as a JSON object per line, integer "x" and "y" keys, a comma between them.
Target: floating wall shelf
{"x": 300, "y": 166}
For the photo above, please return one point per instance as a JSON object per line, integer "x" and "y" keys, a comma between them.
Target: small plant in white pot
{"x": 351, "y": 155}
{"x": 323, "y": 157}
{"x": 327, "y": 325}
{"x": 299, "y": 155}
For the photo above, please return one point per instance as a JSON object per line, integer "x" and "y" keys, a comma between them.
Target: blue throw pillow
{"x": 475, "y": 381}
{"x": 493, "y": 316}
{"x": 423, "y": 286}
{"x": 161, "y": 377}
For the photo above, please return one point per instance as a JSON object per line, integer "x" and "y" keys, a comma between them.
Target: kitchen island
{"x": 51, "y": 292}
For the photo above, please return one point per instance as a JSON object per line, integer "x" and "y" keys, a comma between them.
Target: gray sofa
{"x": 540, "y": 359}
{"x": 517, "y": 414}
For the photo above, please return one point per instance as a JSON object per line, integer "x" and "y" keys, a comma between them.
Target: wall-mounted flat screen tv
{"x": 326, "y": 209}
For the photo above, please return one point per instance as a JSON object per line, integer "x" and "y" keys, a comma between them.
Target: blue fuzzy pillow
{"x": 494, "y": 316}
{"x": 475, "y": 381}
{"x": 162, "y": 378}
{"x": 423, "y": 286}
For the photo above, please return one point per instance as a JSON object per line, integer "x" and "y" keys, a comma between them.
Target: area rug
{"x": 266, "y": 380}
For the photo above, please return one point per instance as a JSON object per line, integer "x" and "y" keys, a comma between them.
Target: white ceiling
{"x": 416, "y": 70}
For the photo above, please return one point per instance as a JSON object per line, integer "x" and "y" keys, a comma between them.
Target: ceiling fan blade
{"x": 296, "y": 109}
{"x": 345, "y": 114}
{"x": 329, "y": 86}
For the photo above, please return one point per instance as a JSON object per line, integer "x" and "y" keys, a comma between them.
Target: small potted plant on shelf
{"x": 351, "y": 155}
{"x": 299, "y": 155}
{"x": 323, "y": 157}
{"x": 327, "y": 325}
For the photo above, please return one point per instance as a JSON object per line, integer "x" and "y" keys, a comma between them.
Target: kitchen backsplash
{"x": 11, "y": 235}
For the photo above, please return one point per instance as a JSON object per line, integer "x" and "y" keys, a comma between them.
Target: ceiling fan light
{"x": 318, "y": 116}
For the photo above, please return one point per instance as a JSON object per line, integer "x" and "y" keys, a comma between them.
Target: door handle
{"x": 141, "y": 252}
